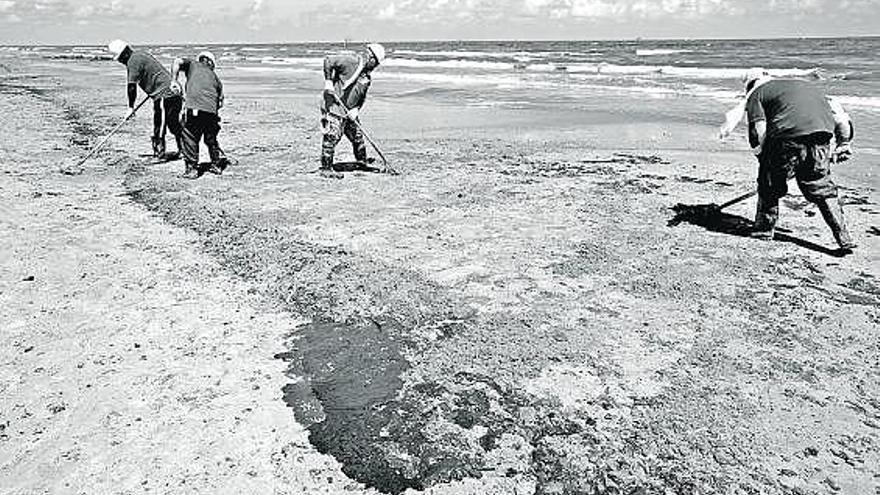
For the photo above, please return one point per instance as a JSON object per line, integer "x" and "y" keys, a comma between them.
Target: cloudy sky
{"x": 176, "y": 21}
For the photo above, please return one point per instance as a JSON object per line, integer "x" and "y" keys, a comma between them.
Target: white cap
{"x": 208, "y": 55}
{"x": 378, "y": 51}
{"x": 116, "y": 47}
{"x": 753, "y": 75}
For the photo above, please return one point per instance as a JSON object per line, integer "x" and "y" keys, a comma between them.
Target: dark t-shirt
{"x": 203, "y": 87}
{"x": 791, "y": 108}
{"x": 148, "y": 73}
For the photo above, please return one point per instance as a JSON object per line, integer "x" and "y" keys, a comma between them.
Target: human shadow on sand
{"x": 712, "y": 219}
{"x": 356, "y": 166}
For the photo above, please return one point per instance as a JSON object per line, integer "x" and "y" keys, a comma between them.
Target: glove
{"x": 175, "y": 88}
{"x": 843, "y": 152}
{"x": 353, "y": 113}
{"x": 757, "y": 150}
{"x": 129, "y": 113}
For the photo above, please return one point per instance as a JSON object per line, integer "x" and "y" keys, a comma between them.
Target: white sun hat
{"x": 116, "y": 47}
{"x": 378, "y": 51}
{"x": 208, "y": 55}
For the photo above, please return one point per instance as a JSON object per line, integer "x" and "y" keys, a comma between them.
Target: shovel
{"x": 691, "y": 213}
{"x": 385, "y": 168}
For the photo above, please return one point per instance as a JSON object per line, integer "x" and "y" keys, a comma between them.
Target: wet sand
{"x": 511, "y": 314}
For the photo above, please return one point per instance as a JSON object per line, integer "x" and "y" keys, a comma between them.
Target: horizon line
{"x": 466, "y": 40}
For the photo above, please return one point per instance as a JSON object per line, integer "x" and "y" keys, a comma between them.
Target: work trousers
{"x": 334, "y": 128}
{"x": 197, "y": 125}
{"x": 805, "y": 158}
{"x": 166, "y": 116}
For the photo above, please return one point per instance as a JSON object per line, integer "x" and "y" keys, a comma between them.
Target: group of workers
{"x": 191, "y": 114}
{"x": 795, "y": 130}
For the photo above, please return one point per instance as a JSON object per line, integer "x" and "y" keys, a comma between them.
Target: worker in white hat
{"x": 201, "y": 118}
{"x": 347, "y": 77}
{"x": 792, "y": 128}
{"x": 155, "y": 80}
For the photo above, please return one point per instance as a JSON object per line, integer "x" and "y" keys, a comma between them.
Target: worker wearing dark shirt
{"x": 155, "y": 80}
{"x": 791, "y": 126}
{"x": 204, "y": 98}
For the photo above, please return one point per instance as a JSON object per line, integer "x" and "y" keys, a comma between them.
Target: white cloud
{"x": 265, "y": 20}
{"x": 388, "y": 12}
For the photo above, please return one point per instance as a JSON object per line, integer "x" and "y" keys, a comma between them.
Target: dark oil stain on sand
{"x": 348, "y": 393}
{"x": 393, "y": 436}
{"x": 349, "y": 374}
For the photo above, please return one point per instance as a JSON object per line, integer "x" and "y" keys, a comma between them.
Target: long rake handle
{"x": 737, "y": 199}
{"x": 365, "y": 133}
{"x": 103, "y": 141}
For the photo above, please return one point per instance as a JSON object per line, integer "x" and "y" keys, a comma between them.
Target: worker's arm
{"x": 357, "y": 95}
{"x": 757, "y": 135}
{"x": 757, "y": 122}
{"x": 132, "y": 97}
{"x": 843, "y": 131}
{"x": 331, "y": 62}
{"x": 843, "y": 128}
{"x": 134, "y": 76}
{"x": 176, "y": 66}
{"x": 221, "y": 97}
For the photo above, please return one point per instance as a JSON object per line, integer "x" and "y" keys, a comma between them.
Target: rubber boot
{"x": 171, "y": 156}
{"x": 833, "y": 215}
{"x": 159, "y": 148}
{"x": 155, "y": 142}
{"x": 219, "y": 162}
{"x": 191, "y": 171}
{"x": 326, "y": 169}
{"x": 360, "y": 154}
{"x": 765, "y": 220}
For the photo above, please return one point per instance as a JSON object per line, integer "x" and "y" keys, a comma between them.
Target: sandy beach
{"x": 519, "y": 311}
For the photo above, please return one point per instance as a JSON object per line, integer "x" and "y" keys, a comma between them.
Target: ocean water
{"x": 847, "y": 67}
{"x": 681, "y": 80}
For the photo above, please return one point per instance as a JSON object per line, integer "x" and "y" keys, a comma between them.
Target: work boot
{"x": 833, "y": 215}
{"x": 218, "y": 160}
{"x": 170, "y": 156}
{"x": 191, "y": 171}
{"x": 360, "y": 155}
{"x": 326, "y": 169}
{"x": 219, "y": 166}
{"x": 765, "y": 220}
{"x": 159, "y": 147}
{"x": 154, "y": 141}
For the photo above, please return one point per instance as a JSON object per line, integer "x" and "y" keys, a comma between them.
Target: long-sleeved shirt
{"x": 346, "y": 71}
{"x": 148, "y": 73}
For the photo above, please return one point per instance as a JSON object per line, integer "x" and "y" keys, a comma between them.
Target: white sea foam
{"x": 274, "y": 69}
{"x": 859, "y": 101}
{"x": 308, "y": 61}
{"x": 456, "y": 79}
{"x": 659, "y": 51}
{"x": 446, "y": 64}
{"x": 467, "y": 54}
